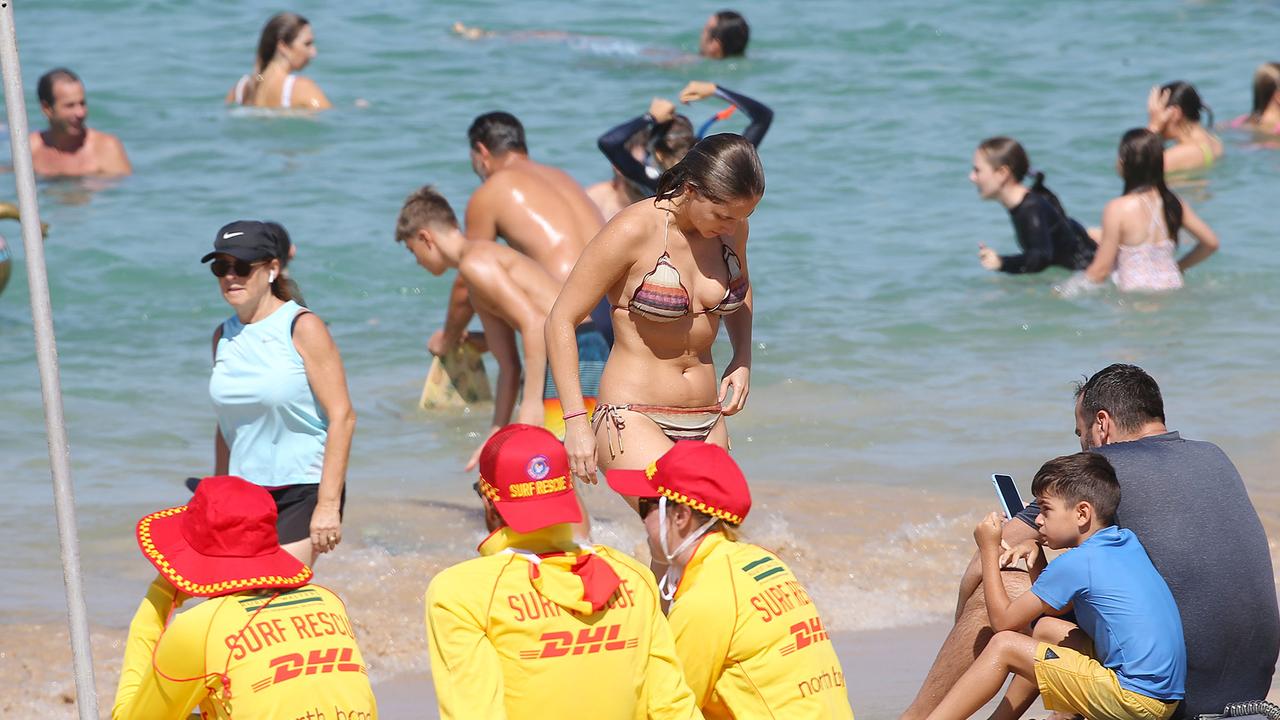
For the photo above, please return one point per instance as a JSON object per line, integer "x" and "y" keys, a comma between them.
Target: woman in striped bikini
{"x": 672, "y": 267}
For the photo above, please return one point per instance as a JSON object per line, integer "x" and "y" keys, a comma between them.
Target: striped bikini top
{"x": 662, "y": 297}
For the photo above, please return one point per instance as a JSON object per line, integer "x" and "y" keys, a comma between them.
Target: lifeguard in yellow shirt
{"x": 539, "y": 626}
{"x": 747, "y": 633}
{"x": 266, "y": 645}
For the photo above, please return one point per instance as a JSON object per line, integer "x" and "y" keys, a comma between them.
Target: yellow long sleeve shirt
{"x": 294, "y": 658}
{"x": 513, "y": 634}
{"x": 750, "y": 639}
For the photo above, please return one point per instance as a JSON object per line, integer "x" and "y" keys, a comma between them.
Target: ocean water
{"x": 891, "y": 375}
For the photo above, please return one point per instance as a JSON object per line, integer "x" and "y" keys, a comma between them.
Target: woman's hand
{"x": 1159, "y": 113}
{"x": 697, "y": 90}
{"x": 1026, "y": 551}
{"x": 739, "y": 378}
{"x": 326, "y": 527}
{"x": 988, "y": 258}
{"x": 580, "y": 443}
{"x": 662, "y": 110}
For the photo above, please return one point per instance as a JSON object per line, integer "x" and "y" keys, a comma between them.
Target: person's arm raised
{"x": 1206, "y": 239}
{"x": 604, "y": 261}
{"x": 737, "y": 374}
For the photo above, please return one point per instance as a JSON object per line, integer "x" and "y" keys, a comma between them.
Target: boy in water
{"x": 1126, "y": 659}
{"x": 513, "y": 295}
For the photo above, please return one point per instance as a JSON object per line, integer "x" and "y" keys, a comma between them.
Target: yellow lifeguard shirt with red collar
{"x": 248, "y": 655}
{"x": 750, "y": 638}
{"x": 538, "y": 627}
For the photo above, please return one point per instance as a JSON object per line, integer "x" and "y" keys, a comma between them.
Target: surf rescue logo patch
{"x": 539, "y": 467}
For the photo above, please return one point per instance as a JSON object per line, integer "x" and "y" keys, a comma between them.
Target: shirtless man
{"x": 539, "y": 210}
{"x": 69, "y": 148}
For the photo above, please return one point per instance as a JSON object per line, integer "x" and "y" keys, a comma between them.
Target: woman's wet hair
{"x": 671, "y": 142}
{"x": 1142, "y": 166}
{"x": 500, "y": 132}
{"x": 1266, "y": 83}
{"x": 282, "y": 27}
{"x": 721, "y": 168}
{"x": 1183, "y": 96}
{"x": 732, "y": 31}
{"x": 1003, "y": 151}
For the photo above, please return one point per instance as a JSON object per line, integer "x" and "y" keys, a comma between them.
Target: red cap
{"x": 221, "y": 542}
{"x": 524, "y": 470}
{"x": 697, "y": 474}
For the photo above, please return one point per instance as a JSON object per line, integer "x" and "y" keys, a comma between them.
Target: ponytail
{"x": 282, "y": 27}
{"x": 1038, "y": 187}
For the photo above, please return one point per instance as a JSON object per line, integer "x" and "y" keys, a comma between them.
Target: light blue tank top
{"x": 266, "y": 410}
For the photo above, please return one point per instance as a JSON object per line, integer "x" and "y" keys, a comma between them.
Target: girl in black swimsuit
{"x": 1045, "y": 233}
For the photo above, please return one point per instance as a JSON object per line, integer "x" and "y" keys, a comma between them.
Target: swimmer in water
{"x": 1046, "y": 235}
{"x": 724, "y": 36}
{"x": 1173, "y": 112}
{"x": 1265, "y": 117}
{"x": 69, "y": 147}
{"x": 641, "y": 148}
{"x": 1140, "y": 228}
{"x": 286, "y": 46}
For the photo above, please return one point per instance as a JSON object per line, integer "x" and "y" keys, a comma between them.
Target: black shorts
{"x": 294, "y": 506}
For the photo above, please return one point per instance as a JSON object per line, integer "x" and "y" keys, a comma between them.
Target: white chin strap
{"x": 671, "y": 578}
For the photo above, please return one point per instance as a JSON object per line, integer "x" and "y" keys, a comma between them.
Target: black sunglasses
{"x": 646, "y": 505}
{"x": 242, "y": 268}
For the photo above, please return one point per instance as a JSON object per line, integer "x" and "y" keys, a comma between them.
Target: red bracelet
{"x": 570, "y": 416}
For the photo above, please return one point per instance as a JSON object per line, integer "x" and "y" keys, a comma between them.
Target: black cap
{"x": 247, "y": 240}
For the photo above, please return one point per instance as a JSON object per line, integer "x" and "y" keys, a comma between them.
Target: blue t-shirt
{"x": 1125, "y": 607}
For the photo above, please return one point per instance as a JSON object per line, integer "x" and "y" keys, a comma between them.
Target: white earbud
{"x": 272, "y": 278}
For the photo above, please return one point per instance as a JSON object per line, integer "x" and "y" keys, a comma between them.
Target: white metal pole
{"x": 47, "y": 359}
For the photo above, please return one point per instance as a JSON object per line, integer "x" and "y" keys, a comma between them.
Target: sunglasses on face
{"x": 644, "y": 506}
{"x": 242, "y": 268}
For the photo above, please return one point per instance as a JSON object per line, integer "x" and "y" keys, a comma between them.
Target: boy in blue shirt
{"x": 1125, "y": 660}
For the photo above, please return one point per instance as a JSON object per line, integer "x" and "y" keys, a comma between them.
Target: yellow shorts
{"x": 1071, "y": 681}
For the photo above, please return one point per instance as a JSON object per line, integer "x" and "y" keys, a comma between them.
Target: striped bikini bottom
{"x": 677, "y": 423}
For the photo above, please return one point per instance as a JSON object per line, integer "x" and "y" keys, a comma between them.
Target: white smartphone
{"x": 1010, "y": 500}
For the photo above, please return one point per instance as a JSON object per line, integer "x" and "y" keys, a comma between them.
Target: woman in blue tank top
{"x": 284, "y": 416}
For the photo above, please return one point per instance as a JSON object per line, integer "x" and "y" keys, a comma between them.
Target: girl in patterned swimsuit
{"x": 1140, "y": 228}
{"x": 672, "y": 267}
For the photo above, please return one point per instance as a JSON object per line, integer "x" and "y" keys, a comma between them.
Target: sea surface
{"x": 892, "y": 374}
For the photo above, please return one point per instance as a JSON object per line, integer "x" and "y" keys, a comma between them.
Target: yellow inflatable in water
{"x": 456, "y": 380}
